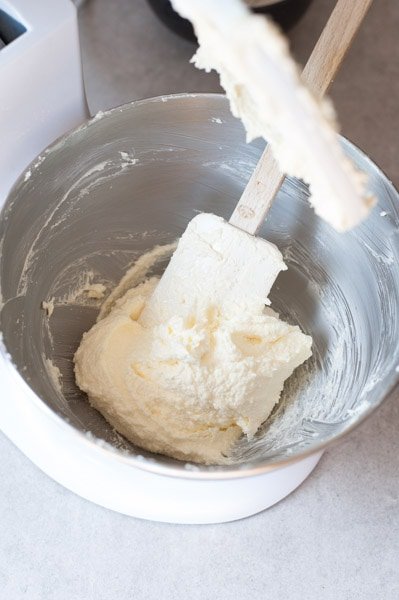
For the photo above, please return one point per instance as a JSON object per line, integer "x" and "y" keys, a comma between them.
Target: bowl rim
{"x": 179, "y": 469}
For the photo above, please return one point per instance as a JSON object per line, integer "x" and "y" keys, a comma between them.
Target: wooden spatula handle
{"x": 318, "y": 74}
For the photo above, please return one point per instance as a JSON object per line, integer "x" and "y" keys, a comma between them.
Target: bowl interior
{"x": 133, "y": 178}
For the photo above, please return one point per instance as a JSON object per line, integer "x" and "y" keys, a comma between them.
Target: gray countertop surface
{"x": 337, "y": 536}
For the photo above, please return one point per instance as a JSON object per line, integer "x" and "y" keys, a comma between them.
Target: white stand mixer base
{"x": 97, "y": 473}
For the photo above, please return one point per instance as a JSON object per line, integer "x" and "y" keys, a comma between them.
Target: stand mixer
{"x": 117, "y": 186}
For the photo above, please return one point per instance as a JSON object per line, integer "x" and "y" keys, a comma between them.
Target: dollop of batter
{"x": 185, "y": 365}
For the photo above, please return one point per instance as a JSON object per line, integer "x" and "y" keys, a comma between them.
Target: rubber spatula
{"x": 217, "y": 263}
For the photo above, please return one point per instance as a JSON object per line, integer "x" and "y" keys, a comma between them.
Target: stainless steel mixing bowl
{"x": 132, "y": 178}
